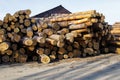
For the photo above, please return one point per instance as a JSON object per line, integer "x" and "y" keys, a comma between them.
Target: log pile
{"x": 115, "y": 44}
{"x": 58, "y": 37}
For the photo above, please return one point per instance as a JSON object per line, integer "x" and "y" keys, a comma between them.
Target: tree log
{"x": 4, "y": 46}
{"x": 45, "y": 59}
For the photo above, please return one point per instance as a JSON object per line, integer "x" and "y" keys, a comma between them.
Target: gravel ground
{"x": 103, "y": 67}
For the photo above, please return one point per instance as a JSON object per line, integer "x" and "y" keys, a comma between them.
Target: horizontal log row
{"x": 116, "y": 33}
{"x": 54, "y": 38}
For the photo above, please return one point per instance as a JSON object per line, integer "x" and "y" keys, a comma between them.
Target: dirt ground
{"x": 103, "y": 67}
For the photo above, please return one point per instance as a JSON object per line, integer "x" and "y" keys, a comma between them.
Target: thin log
{"x": 65, "y": 56}
{"x": 5, "y": 58}
{"x": 27, "y": 41}
{"x": 51, "y": 41}
{"x": 39, "y": 39}
{"x": 62, "y": 51}
{"x": 60, "y": 44}
{"x": 40, "y": 51}
{"x": 90, "y": 51}
{"x": 57, "y": 37}
{"x": 70, "y": 55}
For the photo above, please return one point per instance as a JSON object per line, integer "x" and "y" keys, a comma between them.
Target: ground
{"x": 103, "y": 67}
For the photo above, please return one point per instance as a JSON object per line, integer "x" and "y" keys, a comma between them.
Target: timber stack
{"x": 58, "y": 37}
{"x": 115, "y": 44}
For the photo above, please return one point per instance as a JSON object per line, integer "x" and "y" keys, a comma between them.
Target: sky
{"x": 110, "y": 8}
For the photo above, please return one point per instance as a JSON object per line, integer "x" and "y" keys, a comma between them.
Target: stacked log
{"x": 15, "y": 35}
{"x": 58, "y": 37}
{"x": 115, "y": 44}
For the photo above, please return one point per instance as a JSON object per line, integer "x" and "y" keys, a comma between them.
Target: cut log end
{"x": 45, "y": 59}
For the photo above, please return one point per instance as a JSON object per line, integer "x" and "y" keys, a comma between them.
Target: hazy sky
{"x": 110, "y": 8}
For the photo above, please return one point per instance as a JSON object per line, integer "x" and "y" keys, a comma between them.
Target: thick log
{"x": 115, "y": 32}
{"x": 45, "y": 59}
{"x": 73, "y": 17}
{"x": 4, "y": 46}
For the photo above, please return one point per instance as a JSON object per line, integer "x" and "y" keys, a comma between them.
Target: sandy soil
{"x": 103, "y": 67}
